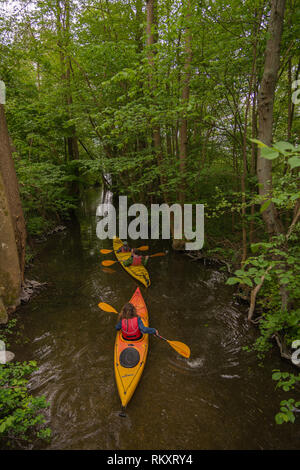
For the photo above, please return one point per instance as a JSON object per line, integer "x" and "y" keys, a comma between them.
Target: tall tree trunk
{"x": 151, "y": 30}
{"x": 63, "y": 39}
{"x": 265, "y": 111}
{"x": 10, "y": 274}
{"x": 138, "y": 27}
{"x": 247, "y": 108}
{"x": 12, "y": 228}
{"x": 63, "y": 31}
{"x": 183, "y": 129}
{"x": 253, "y": 158}
{"x": 266, "y": 97}
{"x": 72, "y": 139}
{"x": 8, "y": 171}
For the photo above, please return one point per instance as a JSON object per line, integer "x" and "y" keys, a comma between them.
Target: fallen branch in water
{"x": 254, "y": 293}
{"x": 283, "y": 349}
{"x": 202, "y": 257}
{"x": 29, "y": 288}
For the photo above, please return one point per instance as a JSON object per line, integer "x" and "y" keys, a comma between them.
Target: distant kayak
{"x": 130, "y": 356}
{"x": 139, "y": 273}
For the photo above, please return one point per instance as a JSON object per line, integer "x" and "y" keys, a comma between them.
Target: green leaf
{"x": 291, "y": 416}
{"x": 276, "y": 376}
{"x": 255, "y": 247}
{"x": 269, "y": 153}
{"x": 265, "y": 206}
{"x": 239, "y": 272}
{"x": 259, "y": 143}
{"x": 294, "y": 162}
{"x": 247, "y": 281}
{"x": 279, "y": 418}
{"x": 232, "y": 280}
{"x": 283, "y": 146}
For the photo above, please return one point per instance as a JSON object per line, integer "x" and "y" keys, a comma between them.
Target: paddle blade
{"x": 181, "y": 348}
{"x": 108, "y": 270}
{"x": 143, "y": 248}
{"x": 104, "y": 251}
{"x": 108, "y": 262}
{"x": 107, "y": 307}
{"x": 157, "y": 254}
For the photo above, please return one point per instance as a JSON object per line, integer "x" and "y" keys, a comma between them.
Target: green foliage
{"x": 20, "y": 417}
{"x": 285, "y": 149}
{"x": 279, "y": 265}
{"x": 287, "y": 382}
{"x": 44, "y": 193}
{"x": 7, "y": 330}
{"x": 275, "y": 264}
{"x": 287, "y": 409}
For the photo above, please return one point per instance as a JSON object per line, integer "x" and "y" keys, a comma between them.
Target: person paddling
{"x": 132, "y": 325}
{"x": 135, "y": 259}
{"x": 125, "y": 248}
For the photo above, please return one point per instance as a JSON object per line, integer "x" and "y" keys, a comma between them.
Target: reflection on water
{"x": 217, "y": 399}
{"x": 104, "y": 209}
{"x": 106, "y": 197}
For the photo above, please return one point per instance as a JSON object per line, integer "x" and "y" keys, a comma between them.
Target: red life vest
{"x": 130, "y": 328}
{"x": 137, "y": 260}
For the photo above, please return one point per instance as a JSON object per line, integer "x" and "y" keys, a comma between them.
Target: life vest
{"x": 137, "y": 260}
{"x": 130, "y": 328}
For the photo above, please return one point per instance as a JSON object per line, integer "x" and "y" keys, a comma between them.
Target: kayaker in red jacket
{"x": 132, "y": 325}
{"x": 135, "y": 259}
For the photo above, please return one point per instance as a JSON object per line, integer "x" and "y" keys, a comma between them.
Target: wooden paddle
{"x": 110, "y": 262}
{"x": 104, "y": 251}
{"x": 181, "y": 348}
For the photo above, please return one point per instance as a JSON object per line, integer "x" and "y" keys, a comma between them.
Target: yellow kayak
{"x": 139, "y": 273}
{"x": 130, "y": 356}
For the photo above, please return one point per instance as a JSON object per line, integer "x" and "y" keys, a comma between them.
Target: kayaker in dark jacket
{"x": 135, "y": 259}
{"x": 132, "y": 325}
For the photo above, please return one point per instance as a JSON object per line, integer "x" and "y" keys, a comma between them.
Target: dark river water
{"x": 220, "y": 398}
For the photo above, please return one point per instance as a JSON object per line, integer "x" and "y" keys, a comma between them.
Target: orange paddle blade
{"x": 181, "y": 348}
{"x": 104, "y": 251}
{"x": 108, "y": 262}
{"x": 157, "y": 254}
{"x": 107, "y": 307}
{"x": 143, "y": 248}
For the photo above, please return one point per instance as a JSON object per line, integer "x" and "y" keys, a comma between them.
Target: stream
{"x": 220, "y": 398}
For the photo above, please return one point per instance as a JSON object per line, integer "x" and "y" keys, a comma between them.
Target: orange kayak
{"x": 130, "y": 356}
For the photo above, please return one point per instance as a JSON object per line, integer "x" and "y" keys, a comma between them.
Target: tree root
{"x": 284, "y": 352}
